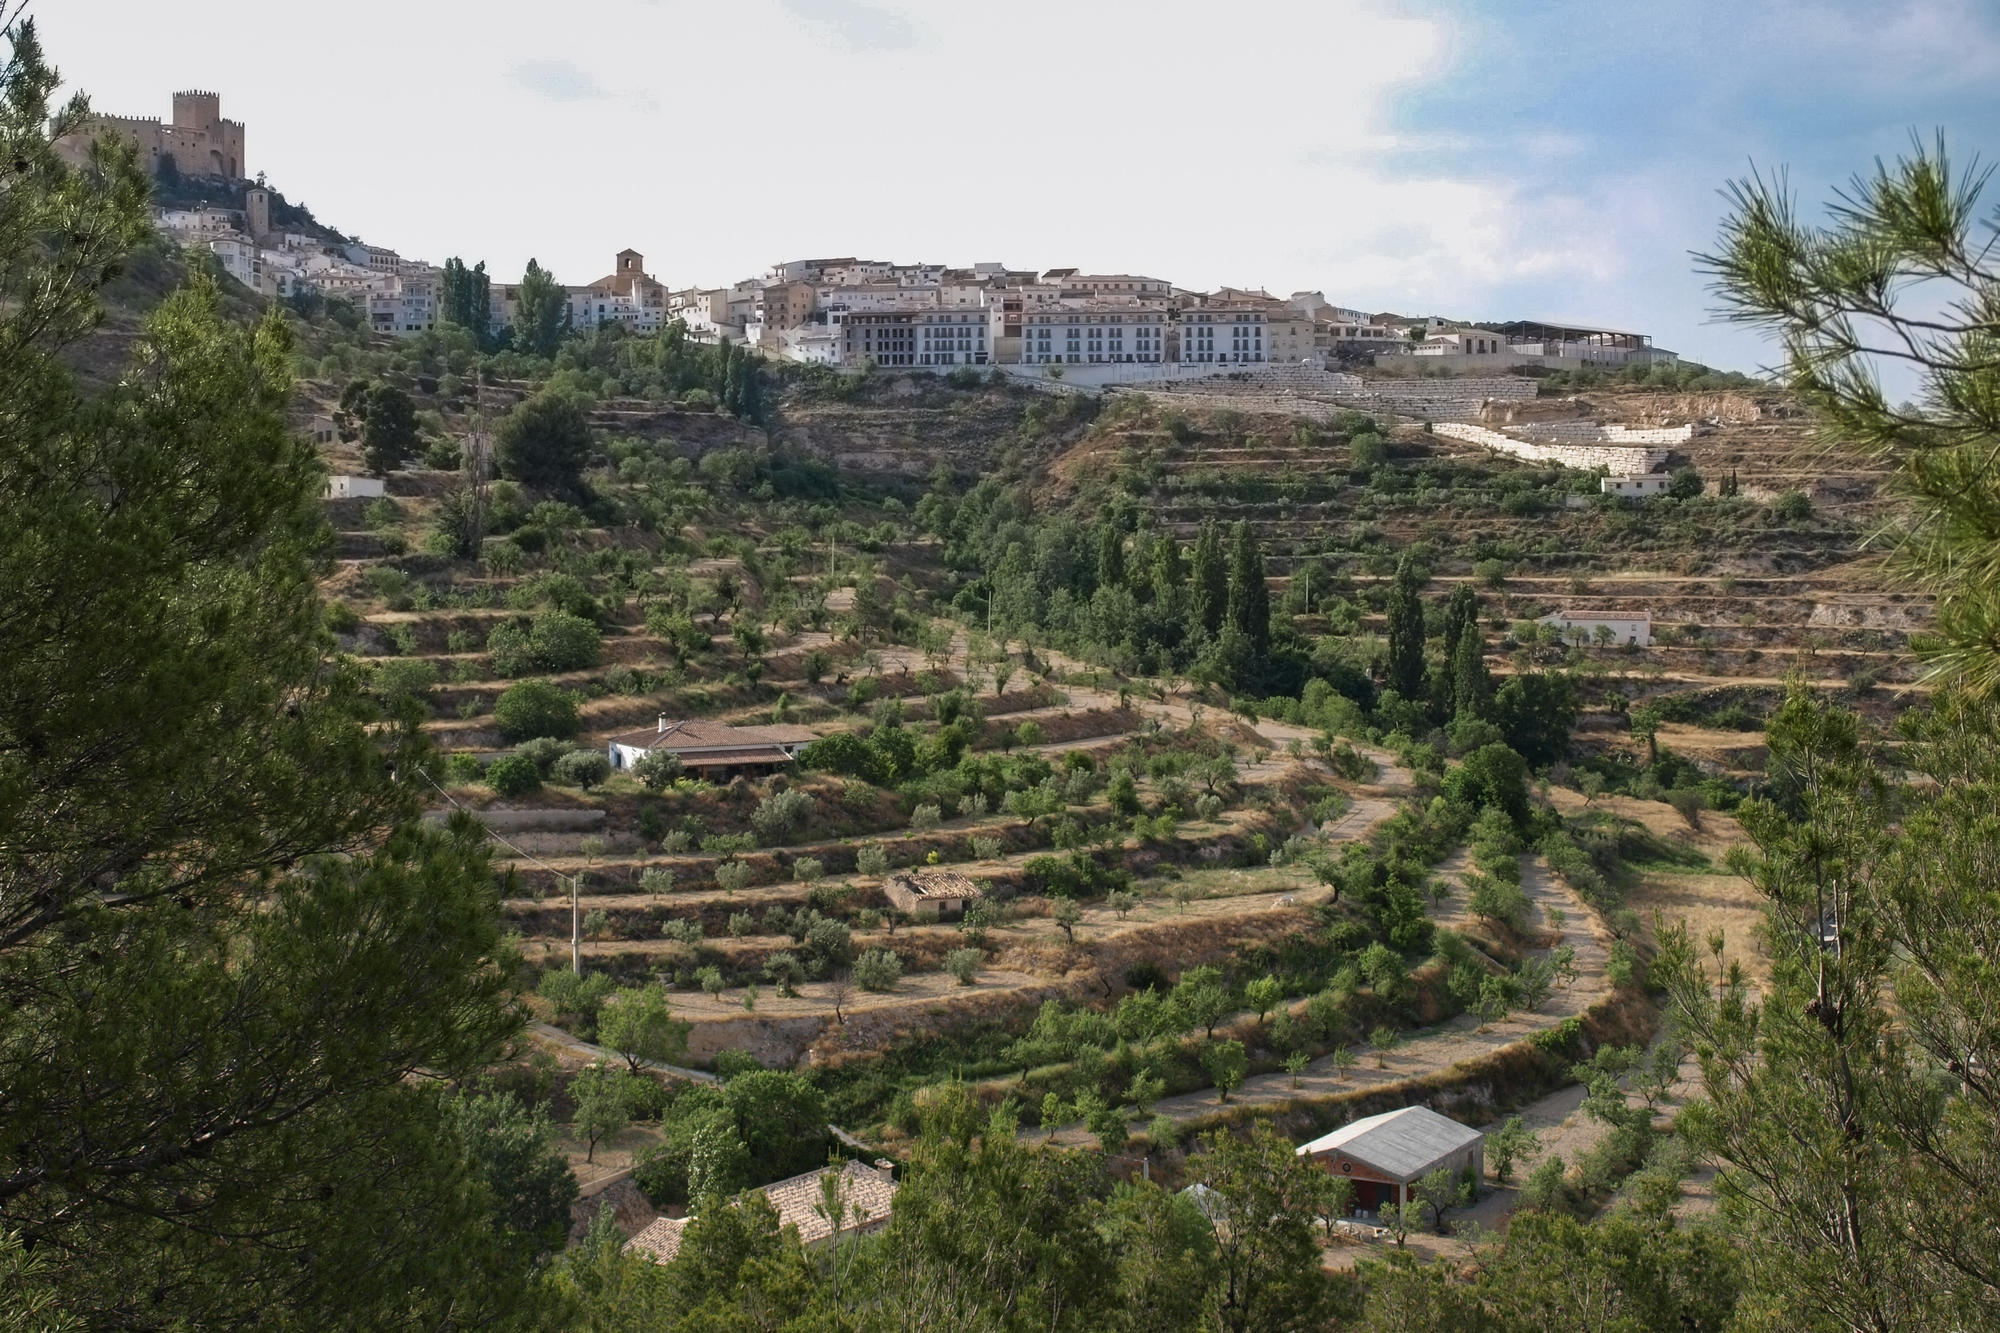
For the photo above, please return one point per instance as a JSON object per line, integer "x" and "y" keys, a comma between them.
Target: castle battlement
{"x": 197, "y": 140}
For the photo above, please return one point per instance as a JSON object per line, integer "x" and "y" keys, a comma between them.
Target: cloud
{"x": 856, "y": 26}
{"x": 557, "y": 80}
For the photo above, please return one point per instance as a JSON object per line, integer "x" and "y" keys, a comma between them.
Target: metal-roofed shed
{"x": 1385, "y": 1154}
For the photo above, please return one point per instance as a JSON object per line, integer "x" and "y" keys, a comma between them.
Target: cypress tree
{"x": 1110, "y": 556}
{"x": 1462, "y": 610}
{"x": 1471, "y": 688}
{"x": 1249, "y": 595}
{"x": 1211, "y": 583}
{"x": 1169, "y": 575}
{"x": 1406, "y": 634}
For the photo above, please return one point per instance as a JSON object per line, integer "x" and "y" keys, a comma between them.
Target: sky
{"x": 1487, "y": 159}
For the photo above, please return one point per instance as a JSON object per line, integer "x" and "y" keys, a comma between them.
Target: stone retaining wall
{"x": 1619, "y": 462}
{"x": 1590, "y": 432}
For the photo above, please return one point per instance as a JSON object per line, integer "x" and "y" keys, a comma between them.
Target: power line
{"x": 575, "y": 922}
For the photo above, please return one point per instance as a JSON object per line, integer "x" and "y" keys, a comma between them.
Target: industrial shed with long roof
{"x": 1386, "y": 1154}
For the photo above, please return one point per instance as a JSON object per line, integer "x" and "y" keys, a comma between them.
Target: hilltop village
{"x": 1214, "y": 731}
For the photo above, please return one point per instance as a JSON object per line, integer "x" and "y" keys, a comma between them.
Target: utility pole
{"x": 575, "y": 929}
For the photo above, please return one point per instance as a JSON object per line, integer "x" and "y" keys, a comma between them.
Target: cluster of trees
{"x": 383, "y": 418}
{"x": 1135, "y": 595}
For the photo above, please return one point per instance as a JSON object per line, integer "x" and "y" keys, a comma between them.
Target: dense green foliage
{"x": 227, "y": 950}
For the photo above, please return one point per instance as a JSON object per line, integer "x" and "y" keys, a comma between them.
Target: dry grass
{"x": 1709, "y": 901}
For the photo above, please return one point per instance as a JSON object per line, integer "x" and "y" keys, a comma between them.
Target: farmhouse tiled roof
{"x": 702, "y": 734}
{"x": 660, "y": 1238}
{"x": 937, "y": 884}
{"x": 869, "y": 1193}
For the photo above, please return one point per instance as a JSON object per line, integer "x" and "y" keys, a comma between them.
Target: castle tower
{"x": 198, "y": 111}
{"x": 257, "y": 212}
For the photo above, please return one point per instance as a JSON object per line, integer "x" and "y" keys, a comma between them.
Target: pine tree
{"x": 1249, "y": 594}
{"x": 1210, "y": 593}
{"x": 226, "y": 944}
{"x": 1844, "y": 298}
{"x": 1406, "y": 634}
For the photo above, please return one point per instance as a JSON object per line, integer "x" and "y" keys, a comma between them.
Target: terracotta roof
{"x": 702, "y": 734}
{"x": 660, "y": 1238}
{"x": 936, "y": 884}
{"x": 869, "y": 1193}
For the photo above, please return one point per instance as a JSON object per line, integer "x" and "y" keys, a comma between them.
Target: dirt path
{"x": 1434, "y": 1050}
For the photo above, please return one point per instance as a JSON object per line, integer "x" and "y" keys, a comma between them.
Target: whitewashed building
{"x": 341, "y": 487}
{"x": 1093, "y": 334}
{"x": 1640, "y": 487}
{"x": 1222, "y": 335}
{"x": 1581, "y": 627}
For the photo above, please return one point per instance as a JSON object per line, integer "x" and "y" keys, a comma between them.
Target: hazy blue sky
{"x": 1511, "y": 158}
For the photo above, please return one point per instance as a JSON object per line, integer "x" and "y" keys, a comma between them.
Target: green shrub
{"x": 872, "y": 860}
{"x": 783, "y": 816}
{"x": 534, "y": 708}
{"x": 554, "y": 641}
{"x": 513, "y": 775}
{"x": 963, "y": 965}
{"x": 878, "y": 970}
{"x": 733, "y": 876}
{"x": 582, "y": 768}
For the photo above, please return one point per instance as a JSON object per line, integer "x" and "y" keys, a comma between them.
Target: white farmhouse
{"x": 1581, "y": 627}
{"x": 1640, "y": 487}
{"x": 353, "y": 488}
{"x": 710, "y": 746}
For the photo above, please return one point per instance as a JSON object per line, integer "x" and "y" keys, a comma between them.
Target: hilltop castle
{"x": 199, "y": 141}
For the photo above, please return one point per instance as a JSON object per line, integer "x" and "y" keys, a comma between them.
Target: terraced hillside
{"x": 1744, "y": 588}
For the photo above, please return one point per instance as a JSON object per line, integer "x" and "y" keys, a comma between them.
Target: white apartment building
{"x": 406, "y": 309}
{"x": 1222, "y": 335}
{"x": 239, "y": 259}
{"x": 1111, "y": 284}
{"x": 1092, "y": 334}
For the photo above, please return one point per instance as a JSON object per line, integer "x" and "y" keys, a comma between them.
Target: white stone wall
{"x": 1590, "y": 432}
{"x": 1619, "y": 462}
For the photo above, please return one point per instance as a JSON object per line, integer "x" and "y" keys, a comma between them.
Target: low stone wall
{"x": 1619, "y": 462}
